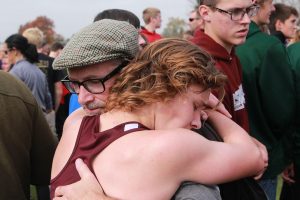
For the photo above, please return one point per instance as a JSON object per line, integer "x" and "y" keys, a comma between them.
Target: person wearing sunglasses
{"x": 195, "y": 21}
{"x": 23, "y": 56}
{"x": 5, "y": 65}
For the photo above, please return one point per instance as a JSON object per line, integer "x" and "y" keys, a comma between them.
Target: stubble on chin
{"x": 94, "y": 108}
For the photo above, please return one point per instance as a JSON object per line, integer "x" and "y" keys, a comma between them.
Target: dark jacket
{"x": 270, "y": 93}
{"x": 26, "y": 143}
{"x": 294, "y": 53}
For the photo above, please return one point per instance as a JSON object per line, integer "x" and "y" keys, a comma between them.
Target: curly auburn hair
{"x": 161, "y": 71}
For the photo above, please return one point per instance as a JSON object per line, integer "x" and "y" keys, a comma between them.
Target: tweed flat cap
{"x": 99, "y": 42}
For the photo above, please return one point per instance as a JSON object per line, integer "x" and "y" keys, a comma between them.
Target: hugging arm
{"x": 87, "y": 188}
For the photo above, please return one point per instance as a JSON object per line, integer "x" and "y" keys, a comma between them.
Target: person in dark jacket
{"x": 270, "y": 94}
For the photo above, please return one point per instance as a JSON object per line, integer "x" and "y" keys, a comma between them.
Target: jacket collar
{"x": 253, "y": 29}
{"x": 212, "y": 47}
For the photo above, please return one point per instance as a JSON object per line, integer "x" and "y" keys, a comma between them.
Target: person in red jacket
{"x": 152, "y": 19}
{"x": 234, "y": 17}
{"x": 226, "y": 24}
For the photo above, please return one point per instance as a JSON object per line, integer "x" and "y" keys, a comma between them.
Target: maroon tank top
{"x": 89, "y": 143}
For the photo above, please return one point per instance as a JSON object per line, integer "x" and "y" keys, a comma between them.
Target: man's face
{"x": 157, "y": 20}
{"x": 194, "y": 21}
{"x": 93, "y": 103}
{"x": 264, "y": 13}
{"x": 222, "y": 26}
{"x": 288, "y": 27}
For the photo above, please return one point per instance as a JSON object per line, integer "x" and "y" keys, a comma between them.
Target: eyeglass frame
{"x": 254, "y": 6}
{"x": 66, "y": 80}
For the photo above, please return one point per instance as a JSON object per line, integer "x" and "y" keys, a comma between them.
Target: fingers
{"x": 288, "y": 174}
{"x": 204, "y": 117}
{"x": 214, "y": 102}
{"x": 59, "y": 192}
{"x": 287, "y": 178}
{"x": 221, "y": 108}
{"x": 82, "y": 169}
{"x": 257, "y": 177}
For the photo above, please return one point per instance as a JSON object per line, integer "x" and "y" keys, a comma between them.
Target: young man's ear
{"x": 204, "y": 12}
{"x": 278, "y": 25}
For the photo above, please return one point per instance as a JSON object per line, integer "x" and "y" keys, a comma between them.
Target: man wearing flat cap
{"x": 93, "y": 57}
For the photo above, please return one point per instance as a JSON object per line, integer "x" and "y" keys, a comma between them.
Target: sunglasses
{"x": 192, "y": 19}
{"x": 6, "y": 51}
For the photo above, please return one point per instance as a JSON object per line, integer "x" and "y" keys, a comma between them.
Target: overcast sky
{"x": 71, "y": 15}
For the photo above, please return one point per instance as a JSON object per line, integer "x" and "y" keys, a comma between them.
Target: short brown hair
{"x": 161, "y": 71}
{"x": 209, "y": 2}
{"x": 282, "y": 12}
{"x": 148, "y": 13}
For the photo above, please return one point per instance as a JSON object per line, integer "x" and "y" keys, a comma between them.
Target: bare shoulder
{"x": 165, "y": 146}
{"x": 67, "y": 141}
{"x": 179, "y": 139}
{"x": 150, "y": 158}
{"x": 74, "y": 117}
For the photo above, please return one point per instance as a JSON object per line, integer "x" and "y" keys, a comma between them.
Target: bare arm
{"x": 264, "y": 154}
{"x": 87, "y": 188}
{"x": 215, "y": 103}
{"x": 238, "y": 156}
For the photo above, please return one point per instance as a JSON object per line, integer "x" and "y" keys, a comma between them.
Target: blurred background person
{"x": 270, "y": 94}
{"x": 291, "y": 175}
{"x": 62, "y": 111}
{"x": 195, "y": 21}
{"x": 56, "y": 49}
{"x": 4, "y": 64}
{"x": 152, "y": 19}
{"x": 36, "y": 37}
{"x": 283, "y": 22}
{"x": 27, "y": 144}
{"x": 23, "y": 55}
{"x": 188, "y": 35}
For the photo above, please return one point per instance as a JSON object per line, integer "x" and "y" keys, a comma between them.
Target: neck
{"x": 256, "y": 21}
{"x": 144, "y": 116}
{"x": 226, "y": 45}
{"x": 150, "y": 27}
{"x": 19, "y": 57}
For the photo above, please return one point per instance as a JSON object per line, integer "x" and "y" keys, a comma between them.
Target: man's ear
{"x": 278, "y": 25}
{"x": 204, "y": 12}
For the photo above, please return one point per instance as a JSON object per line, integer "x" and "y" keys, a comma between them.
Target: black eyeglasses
{"x": 95, "y": 85}
{"x": 192, "y": 19}
{"x": 237, "y": 14}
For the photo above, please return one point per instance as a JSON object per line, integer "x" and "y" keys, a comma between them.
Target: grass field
{"x": 279, "y": 187}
